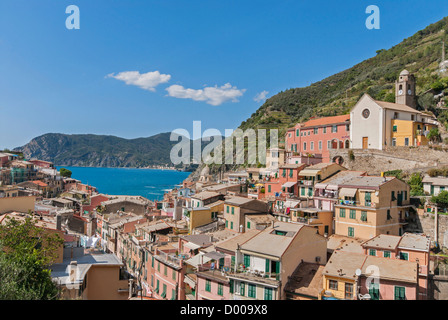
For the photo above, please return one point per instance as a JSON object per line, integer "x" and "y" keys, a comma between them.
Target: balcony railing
{"x": 307, "y": 220}
{"x": 306, "y": 182}
{"x": 256, "y": 274}
{"x": 366, "y": 204}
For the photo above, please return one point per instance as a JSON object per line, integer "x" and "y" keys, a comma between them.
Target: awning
{"x": 197, "y": 260}
{"x": 309, "y": 173}
{"x": 320, "y": 186}
{"x": 192, "y": 246}
{"x": 289, "y": 184}
{"x": 214, "y": 255}
{"x": 291, "y": 204}
{"x": 345, "y": 192}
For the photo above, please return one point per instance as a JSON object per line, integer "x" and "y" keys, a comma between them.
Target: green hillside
{"x": 337, "y": 94}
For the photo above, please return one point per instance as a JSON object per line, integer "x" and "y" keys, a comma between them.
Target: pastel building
{"x": 378, "y": 124}
{"x": 356, "y": 276}
{"x": 369, "y": 206}
{"x": 408, "y": 247}
{"x": 319, "y": 136}
{"x": 265, "y": 262}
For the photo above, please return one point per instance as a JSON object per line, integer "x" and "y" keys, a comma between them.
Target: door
{"x": 365, "y": 142}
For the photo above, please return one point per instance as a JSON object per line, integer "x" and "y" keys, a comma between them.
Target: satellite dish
{"x": 358, "y": 272}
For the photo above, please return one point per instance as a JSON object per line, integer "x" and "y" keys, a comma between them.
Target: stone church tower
{"x": 405, "y": 90}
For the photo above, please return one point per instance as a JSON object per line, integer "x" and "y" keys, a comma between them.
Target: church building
{"x": 378, "y": 124}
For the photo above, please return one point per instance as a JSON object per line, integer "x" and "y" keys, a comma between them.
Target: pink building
{"x": 318, "y": 137}
{"x": 212, "y": 285}
{"x": 409, "y": 247}
{"x": 169, "y": 273}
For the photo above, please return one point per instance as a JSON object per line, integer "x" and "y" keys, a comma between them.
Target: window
{"x": 227, "y": 209}
{"x": 304, "y": 146}
{"x": 227, "y": 224}
{"x": 291, "y": 173}
{"x": 386, "y": 254}
{"x": 364, "y": 216}
{"x": 208, "y": 285}
{"x": 284, "y": 173}
{"x": 334, "y": 129}
{"x": 352, "y": 214}
{"x": 220, "y": 289}
{"x": 297, "y": 132}
{"x": 269, "y": 188}
{"x": 246, "y": 260}
{"x": 333, "y": 285}
{"x": 392, "y": 195}
{"x": 267, "y": 293}
{"x": 372, "y": 252}
{"x": 394, "y": 128}
{"x": 248, "y": 224}
{"x": 251, "y": 291}
{"x": 157, "y": 287}
{"x": 351, "y": 232}
{"x": 328, "y": 144}
{"x": 165, "y": 270}
{"x": 404, "y": 256}
{"x": 231, "y": 225}
{"x": 368, "y": 198}
{"x": 174, "y": 274}
{"x": 324, "y": 129}
{"x": 267, "y": 265}
{"x": 242, "y": 287}
{"x": 316, "y": 130}
{"x": 158, "y": 266}
{"x": 312, "y": 145}
{"x": 347, "y": 127}
{"x": 173, "y": 294}
{"x": 320, "y": 145}
{"x": 394, "y": 142}
{"x": 349, "y": 291}
{"x": 302, "y": 191}
{"x": 233, "y": 210}
{"x": 163, "y": 295}
{"x": 389, "y": 217}
{"x": 342, "y": 212}
{"x": 400, "y": 293}
{"x": 374, "y": 291}
{"x": 406, "y": 141}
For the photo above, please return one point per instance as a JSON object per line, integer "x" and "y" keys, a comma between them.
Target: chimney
{"x": 58, "y": 222}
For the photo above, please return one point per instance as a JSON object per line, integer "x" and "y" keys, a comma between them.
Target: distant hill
{"x": 336, "y": 95}
{"x": 99, "y": 150}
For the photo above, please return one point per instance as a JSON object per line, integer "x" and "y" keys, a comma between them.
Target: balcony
{"x": 361, "y": 204}
{"x": 308, "y": 220}
{"x": 307, "y": 182}
{"x": 249, "y": 274}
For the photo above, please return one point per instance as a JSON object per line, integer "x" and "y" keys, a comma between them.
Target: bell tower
{"x": 405, "y": 89}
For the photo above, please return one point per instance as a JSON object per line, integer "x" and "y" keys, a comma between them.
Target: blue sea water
{"x": 149, "y": 183}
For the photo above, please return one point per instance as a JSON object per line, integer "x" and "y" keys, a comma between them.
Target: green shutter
{"x": 231, "y": 285}
{"x": 267, "y": 293}
{"x": 248, "y": 224}
{"x": 242, "y": 289}
{"x": 268, "y": 262}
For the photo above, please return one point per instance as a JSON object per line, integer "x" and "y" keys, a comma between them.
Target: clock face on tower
{"x": 366, "y": 113}
{"x": 409, "y": 91}
{"x": 400, "y": 92}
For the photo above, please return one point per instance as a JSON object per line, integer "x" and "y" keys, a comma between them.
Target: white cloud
{"x": 211, "y": 95}
{"x": 147, "y": 81}
{"x": 261, "y": 96}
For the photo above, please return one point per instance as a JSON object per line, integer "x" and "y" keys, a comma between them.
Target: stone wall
{"x": 427, "y": 223}
{"x": 404, "y": 158}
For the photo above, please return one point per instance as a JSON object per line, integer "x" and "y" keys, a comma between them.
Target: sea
{"x": 148, "y": 183}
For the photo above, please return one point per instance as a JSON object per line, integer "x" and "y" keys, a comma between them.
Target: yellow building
{"x": 369, "y": 206}
{"x": 322, "y": 220}
{"x": 339, "y": 276}
{"x": 200, "y": 216}
{"x": 410, "y": 133}
{"x": 20, "y": 204}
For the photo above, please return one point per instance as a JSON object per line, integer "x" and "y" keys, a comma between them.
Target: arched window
{"x": 347, "y": 144}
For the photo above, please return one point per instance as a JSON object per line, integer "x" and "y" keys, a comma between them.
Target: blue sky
{"x": 136, "y": 68}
